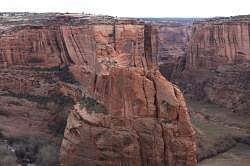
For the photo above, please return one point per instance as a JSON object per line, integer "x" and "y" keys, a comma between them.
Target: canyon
{"x": 215, "y": 61}
{"x": 89, "y": 88}
{"x": 100, "y": 90}
{"x": 213, "y": 72}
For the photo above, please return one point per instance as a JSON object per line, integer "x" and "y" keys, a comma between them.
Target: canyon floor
{"x": 223, "y": 136}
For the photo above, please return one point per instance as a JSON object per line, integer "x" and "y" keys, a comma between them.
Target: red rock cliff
{"x": 217, "y": 44}
{"x": 127, "y": 113}
{"x": 142, "y": 119}
{"x": 217, "y": 63}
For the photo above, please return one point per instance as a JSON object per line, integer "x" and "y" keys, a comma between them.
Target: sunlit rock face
{"x": 125, "y": 112}
{"x": 130, "y": 115}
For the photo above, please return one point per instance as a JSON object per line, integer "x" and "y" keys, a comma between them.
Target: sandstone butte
{"x": 125, "y": 113}
{"x": 214, "y": 65}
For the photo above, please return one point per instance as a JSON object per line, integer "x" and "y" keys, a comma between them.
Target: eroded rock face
{"x": 33, "y": 45}
{"x": 218, "y": 44}
{"x": 136, "y": 117}
{"x": 218, "y": 63}
{"x": 126, "y": 112}
{"x": 31, "y": 101}
{"x": 171, "y": 45}
{"x": 140, "y": 125}
{"x": 211, "y": 62}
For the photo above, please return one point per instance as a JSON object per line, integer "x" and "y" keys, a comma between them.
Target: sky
{"x": 133, "y": 8}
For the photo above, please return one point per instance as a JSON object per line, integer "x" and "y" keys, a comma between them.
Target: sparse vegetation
{"x": 7, "y": 157}
{"x": 60, "y": 110}
{"x": 63, "y": 73}
{"x": 59, "y": 123}
{"x": 92, "y": 105}
{"x": 14, "y": 103}
{"x": 37, "y": 150}
{"x": 209, "y": 148}
{"x": 47, "y": 156}
{"x": 66, "y": 76}
{"x": 109, "y": 63}
{"x": 46, "y": 69}
{"x": 35, "y": 60}
{"x": 43, "y": 100}
{"x": 218, "y": 130}
{"x": 56, "y": 104}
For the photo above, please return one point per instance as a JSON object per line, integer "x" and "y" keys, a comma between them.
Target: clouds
{"x": 133, "y": 8}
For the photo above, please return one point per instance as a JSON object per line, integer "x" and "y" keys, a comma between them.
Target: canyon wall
{"x": 172, "y": 40}
{"x": 218, "y": 63}
{"x": 215, "y": 44}
{"x": 209, "y": 60}
{"x": 136, "y": 117}
{"x": 125, "y": 112}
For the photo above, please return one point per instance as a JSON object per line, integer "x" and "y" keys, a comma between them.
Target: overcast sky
{"x": 133, "y": 8}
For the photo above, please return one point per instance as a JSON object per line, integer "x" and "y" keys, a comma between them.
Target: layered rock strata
{"x": 126, "y": 112}
{"x": 136, "y": 117}
{"x": 218, "y": 62}
{"x": 209, "y": 60}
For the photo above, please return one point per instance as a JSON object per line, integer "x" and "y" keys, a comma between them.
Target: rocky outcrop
{"x": 125, "y": 112}
{"x": 125, "y": 116}
{"x": 127, "y": 127}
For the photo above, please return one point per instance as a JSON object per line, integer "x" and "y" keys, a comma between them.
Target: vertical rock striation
{"x": 130, "y": 114}
{"x": 126, "y": 112}
{"x": 209, "y": 59}
{"x": 218, "y": 61}
{"x": 215, "y": 44}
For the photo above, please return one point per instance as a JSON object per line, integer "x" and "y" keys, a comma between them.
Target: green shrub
{"x": 92, "y": 105}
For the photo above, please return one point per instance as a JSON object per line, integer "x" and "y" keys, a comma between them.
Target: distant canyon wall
{"x": 171, "y": 46}
{"x": 218, "y": 44}
{"x": 216, "y": 65}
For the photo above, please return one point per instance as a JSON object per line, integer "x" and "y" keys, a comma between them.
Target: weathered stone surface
{"x": 211, "y": 62}
{"x": 171, "y": 41}
{"x": 218, "y": 62}
{"x": 139, "y": 118}
{"x": 141, "y": 124}
{"x": 126, "y": 112}
{"x": 218, "y": 44}
{"x": 32, "y": 103}
{"x": 33, "y": 46}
